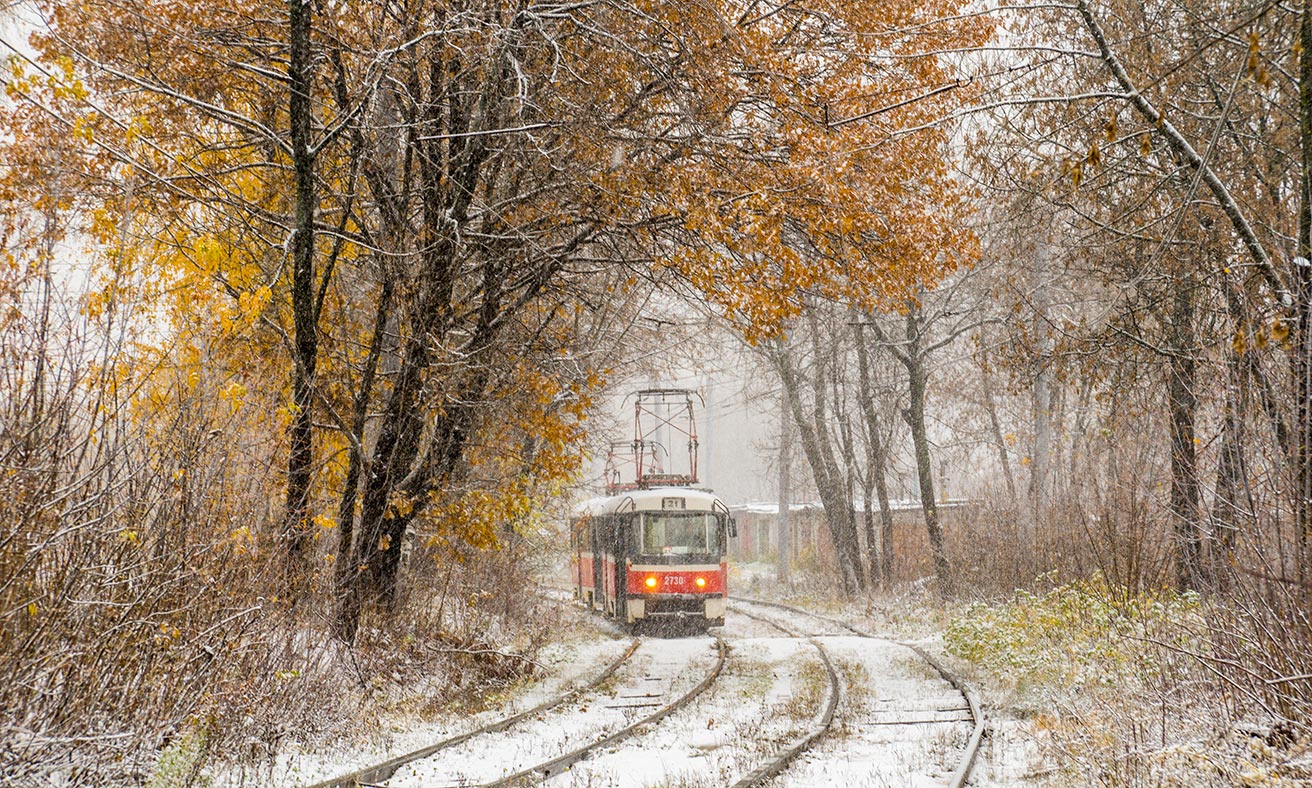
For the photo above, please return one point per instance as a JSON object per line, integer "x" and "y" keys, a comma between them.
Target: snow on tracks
{"x": 777, "y": 764}
{"x": 825, "y": 705}
{"x": 913, "y": 722}
{"x": 378, "y": 773}
{"x": 546, "y": 746}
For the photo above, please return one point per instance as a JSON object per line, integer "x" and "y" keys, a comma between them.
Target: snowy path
{"x": 898, "y": 721}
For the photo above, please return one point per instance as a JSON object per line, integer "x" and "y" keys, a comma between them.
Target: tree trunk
{"x": 300, "y": 433}
{"x": 783, "y": 544}
{"x": 346, "y": 548}
{"x": 823, "y": 471}
{"x": 1182, "y": 406}
{"x": 401, "y": 468}
{"x": 847, "y": 441}
{"x": 1041, "y": 395}
{"x": 380, "y": 166}
{"x": 915, "y": 418}
{"x": 838, "y": 509}
{"x": 868, "y": 522}
{"x": 878, "y": 465}
{"x": 995, "y": 425}
{"x": 1302, "y": 355}
{"x": 1229, "y": 476}
{"x": 886, "y": 550}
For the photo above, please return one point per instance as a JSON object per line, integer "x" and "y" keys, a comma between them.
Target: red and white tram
{"x": 653, "y": 555}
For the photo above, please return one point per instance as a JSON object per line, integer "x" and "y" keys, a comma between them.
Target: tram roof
{"x": 652, "y": 499}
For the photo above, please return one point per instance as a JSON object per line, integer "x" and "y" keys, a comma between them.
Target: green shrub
{"x": 179, "y": 764}
{"x": 1085, "y": 632}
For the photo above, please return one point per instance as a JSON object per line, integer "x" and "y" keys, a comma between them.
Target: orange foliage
{"x": 761, "y": 150}
{"x": 779, "y": 150}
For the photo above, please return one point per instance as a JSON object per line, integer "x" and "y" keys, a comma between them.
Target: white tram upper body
{"x": 653, "y": 554}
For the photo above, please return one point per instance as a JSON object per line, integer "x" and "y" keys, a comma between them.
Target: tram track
{"x": 439, "y": 763}
{"x": 975, "y": 716}
{"x": 551, "y": 768}
{"x": 381, "y": 772}
{"x": 379, "y": 775}
{"x": 765, "y": 772}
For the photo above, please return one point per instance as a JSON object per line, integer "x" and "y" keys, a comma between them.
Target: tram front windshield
{"x": 680, "y": 534}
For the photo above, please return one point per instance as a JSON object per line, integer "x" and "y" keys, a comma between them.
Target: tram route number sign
{"x": 674, "y": 503}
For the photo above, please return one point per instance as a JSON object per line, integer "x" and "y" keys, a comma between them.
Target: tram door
{"x": 621, "y": 549}
{"x": 576, "y": 556}
{"x": 597, "y": 527}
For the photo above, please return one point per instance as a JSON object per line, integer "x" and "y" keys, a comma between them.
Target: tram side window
{"x": 680, "y": 534}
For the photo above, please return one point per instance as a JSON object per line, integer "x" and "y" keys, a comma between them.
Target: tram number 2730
{"x": 653, "y": 555}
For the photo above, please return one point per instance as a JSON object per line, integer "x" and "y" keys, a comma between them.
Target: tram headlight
{"x": 650, "y": 581}
{"x": 701, "y": 582}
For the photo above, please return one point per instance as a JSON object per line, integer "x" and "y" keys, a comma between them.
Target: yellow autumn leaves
{"x": 1259, "y": 337}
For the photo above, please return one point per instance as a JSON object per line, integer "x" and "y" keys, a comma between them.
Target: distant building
{"x": 809, "y": 543}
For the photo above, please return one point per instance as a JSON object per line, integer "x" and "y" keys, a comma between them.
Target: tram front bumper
{"x": 677, "y": 606}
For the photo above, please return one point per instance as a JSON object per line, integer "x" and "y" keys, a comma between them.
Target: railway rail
{"x": 975, "y": 716}
{"x": 551, "y": 768}
{"x": 763, "y": 773}
{"x": 377, "y": 775}
{"x": 767, "y": 613}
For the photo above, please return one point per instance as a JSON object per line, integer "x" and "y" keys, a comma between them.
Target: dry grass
{"x": 809, "y": 692}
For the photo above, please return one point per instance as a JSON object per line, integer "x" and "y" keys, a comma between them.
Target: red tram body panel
{"x": 653, "y": 555}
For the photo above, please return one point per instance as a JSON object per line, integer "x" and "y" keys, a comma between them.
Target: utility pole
{"x": 708, "y": 433}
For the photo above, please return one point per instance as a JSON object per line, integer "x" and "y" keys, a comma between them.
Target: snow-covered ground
{"x": 898, "y": 722}
{"x": 565, "y": 665}
{"x": 659, "y": 673}
{"x": 751, "y": 712}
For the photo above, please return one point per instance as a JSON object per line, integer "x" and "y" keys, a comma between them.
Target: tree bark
{"x": 783, "y": 544}
{"x": 823, "y": 470}
{"x": 838, "y": 510}
{"x": 914, "y": 415}
{"x": 990, "y": 405}
{"x": 847, "y": 443}
{"x": 878, "y": 463}
{"x": 1302, "y": 355}
{"x": 1182, "y": 404}
{"x": 300, "y": 432}
{"x": 346, "y": 548}
{"x": 1230, "y": 474}
{"x": 450, "y": 165}
{"x": 1041, "y": 395}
